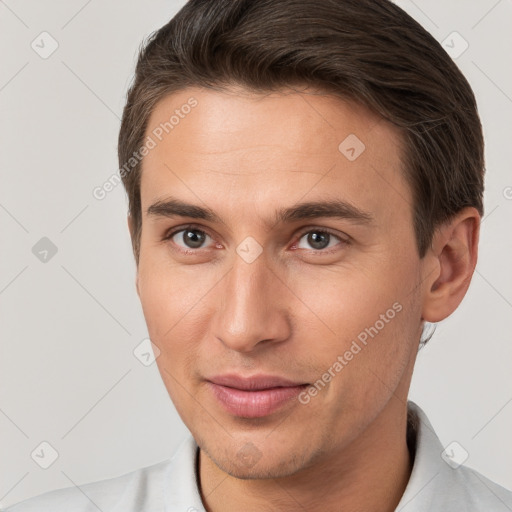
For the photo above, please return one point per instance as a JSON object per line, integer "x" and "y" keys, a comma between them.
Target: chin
{"x": 248, "y": 463}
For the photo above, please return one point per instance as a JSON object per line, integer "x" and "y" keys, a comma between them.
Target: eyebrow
{"x": 335, "y": 208}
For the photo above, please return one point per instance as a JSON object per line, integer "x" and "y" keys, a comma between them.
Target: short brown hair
{"x": 368, "y": 51}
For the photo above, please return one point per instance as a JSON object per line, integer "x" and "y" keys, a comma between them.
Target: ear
{"x": 449, "y": 265}
{"x": 131, "y": 230}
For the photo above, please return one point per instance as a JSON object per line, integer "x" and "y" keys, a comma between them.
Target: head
{"x": 305, "y": 194}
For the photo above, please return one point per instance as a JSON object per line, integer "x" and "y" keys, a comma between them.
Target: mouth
{"x": 254, "y": 397}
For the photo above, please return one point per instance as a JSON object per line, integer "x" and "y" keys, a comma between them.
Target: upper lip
{"x": 255, "y": 382}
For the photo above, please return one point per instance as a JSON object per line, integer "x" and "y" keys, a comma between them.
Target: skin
{"x": 294, "y": 309}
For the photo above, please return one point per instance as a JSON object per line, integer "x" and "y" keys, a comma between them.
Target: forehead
{"x": 279, "y": 146}
{"x": 294, "y": 116}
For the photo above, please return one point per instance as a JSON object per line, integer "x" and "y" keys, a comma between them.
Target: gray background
{"x": 70, "y": 324}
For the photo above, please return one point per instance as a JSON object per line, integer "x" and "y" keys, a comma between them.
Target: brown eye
{"x": 319, "y": 240}
{"x": 189, "y": 238}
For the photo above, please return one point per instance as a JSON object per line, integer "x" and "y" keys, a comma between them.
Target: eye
{"x": 188, "y": 238}
{"x": 191, "y": 238}
{"x": 320, "y": 239}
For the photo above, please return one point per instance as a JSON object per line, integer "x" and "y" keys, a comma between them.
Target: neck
{"x": 369, "y": 474}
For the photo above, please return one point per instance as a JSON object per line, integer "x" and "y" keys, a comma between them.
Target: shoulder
{"x": 439, "y": 482}
{"x": 471, "y": 491}
{"x": 137, "y": 490}
{"x": 165, "y": 486}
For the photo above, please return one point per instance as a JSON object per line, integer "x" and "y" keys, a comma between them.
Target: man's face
{"x": 250, "y": 292}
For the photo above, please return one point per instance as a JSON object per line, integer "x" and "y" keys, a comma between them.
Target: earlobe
{"x": 453, "y": 256}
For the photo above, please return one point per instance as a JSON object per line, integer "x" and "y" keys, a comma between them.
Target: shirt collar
{"x": 430, "y": 474}
{"x": 181, "y": 490}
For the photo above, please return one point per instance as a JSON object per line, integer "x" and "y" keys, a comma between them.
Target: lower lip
{"x": 254, "y": 404}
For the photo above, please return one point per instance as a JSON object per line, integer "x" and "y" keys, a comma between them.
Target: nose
{"x": 251, "y": 307}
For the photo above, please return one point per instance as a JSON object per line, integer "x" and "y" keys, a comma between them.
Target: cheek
{"x": 346, "y": 301}
{"x": 171, "y": 301}
{"x": 369, "y": 322}
{"x": 165, "y": 307}
{"x": 169, "y": 294}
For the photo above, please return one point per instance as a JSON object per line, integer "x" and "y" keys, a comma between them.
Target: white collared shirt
{"x": 437, "y": 483}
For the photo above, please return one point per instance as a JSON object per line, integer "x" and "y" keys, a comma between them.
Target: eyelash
{"x": 343, "y": 241}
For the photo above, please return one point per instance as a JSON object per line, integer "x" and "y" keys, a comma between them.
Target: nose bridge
{"x": 250, "y": 310}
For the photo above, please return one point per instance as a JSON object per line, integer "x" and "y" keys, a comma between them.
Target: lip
{"x": 253, "y": 397}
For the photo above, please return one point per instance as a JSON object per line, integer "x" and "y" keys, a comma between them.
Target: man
{"x": 305, "y": 186}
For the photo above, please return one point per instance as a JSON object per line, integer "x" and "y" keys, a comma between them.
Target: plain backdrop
{"x": 71, "y": 320}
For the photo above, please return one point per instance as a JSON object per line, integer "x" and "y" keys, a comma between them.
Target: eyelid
{"x": 343, "y": 238}
{"x": 173, "y": 231}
